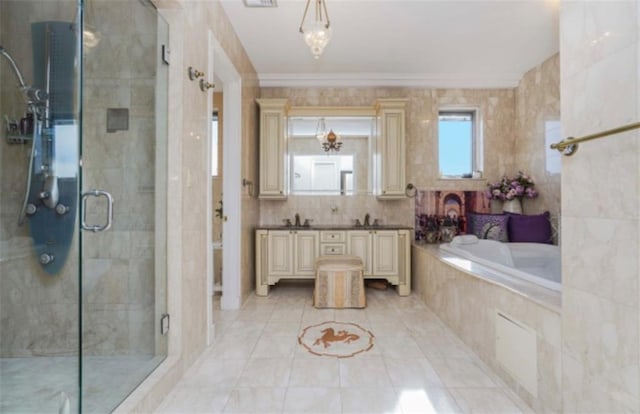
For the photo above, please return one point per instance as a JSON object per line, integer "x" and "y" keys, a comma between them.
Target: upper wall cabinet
{"x": 391, "y": 148}
{"x": 273, "y": 116}
{"x": 370, "y": 158}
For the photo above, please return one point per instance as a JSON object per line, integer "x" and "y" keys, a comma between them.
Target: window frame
{"x": 476, "y": 140}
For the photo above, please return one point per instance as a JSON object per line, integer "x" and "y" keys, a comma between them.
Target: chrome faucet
{"x": 297, "y": 222}
{"x": 366, "y": 219}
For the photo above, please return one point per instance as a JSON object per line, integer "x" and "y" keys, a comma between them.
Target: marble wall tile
{"x": 142, "y": 325}
{"x": 603, "y": 169}
{"x": 41, "y": 330}
{"x": 141, "y": 282}
{"x": 584, "y": 392}
{"x": 538, "y": 125}
{"x": 105, "y": 329}
{"x": 603, "y": 258}
{"x": 604, "y": 339}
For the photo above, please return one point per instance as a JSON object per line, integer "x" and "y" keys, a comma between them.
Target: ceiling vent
{"x": 260, "y": 3}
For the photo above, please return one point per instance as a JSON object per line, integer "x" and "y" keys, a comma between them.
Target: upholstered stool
{"x": 339, "y": 282}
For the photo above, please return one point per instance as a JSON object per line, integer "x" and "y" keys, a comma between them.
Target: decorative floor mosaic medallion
{"x": 336, "y": 339}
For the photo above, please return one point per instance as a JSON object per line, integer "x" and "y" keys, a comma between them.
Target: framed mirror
{"x": 330, "y": 155}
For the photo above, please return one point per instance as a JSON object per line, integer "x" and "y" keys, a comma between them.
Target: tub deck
{"x": 468, "y": 297}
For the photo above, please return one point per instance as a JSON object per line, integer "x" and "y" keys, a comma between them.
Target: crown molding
{"x": 436, "y": 81}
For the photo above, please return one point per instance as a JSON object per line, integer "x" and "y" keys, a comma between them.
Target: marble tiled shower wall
{"x": 40, "y": 312}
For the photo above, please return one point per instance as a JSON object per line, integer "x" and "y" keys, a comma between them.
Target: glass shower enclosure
{"x": 83, "y": 103}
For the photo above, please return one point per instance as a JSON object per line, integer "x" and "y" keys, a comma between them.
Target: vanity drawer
{"x": 330, "y": 236}
{"x": 332, "y": 249}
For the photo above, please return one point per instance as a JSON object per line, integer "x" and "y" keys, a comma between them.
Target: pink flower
{"x": 510, "y": 188}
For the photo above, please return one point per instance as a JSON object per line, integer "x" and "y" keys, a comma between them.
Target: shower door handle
{"x": 97, "y": 193}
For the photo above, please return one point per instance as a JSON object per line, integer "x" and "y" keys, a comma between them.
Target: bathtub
{"x": 535, "y": 262}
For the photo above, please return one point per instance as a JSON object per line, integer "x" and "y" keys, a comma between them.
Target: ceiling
{"x": 430, "y": 43}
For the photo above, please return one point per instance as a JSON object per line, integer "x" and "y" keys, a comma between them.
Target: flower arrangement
{"x": 510, "y": 188}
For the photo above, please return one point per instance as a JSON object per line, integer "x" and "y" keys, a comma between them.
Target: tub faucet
{"x": 366, "y": 219}
{"x": 297, "y": 220}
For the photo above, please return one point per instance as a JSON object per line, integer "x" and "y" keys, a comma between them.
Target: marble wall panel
{"x": 188, "y": 280}
{"x": 497, "y": 109}
{"x": 600, "y": 321}
{"x": 538, "y": 125}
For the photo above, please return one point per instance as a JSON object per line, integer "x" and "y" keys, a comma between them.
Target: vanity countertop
{"x": 321, "y": 227}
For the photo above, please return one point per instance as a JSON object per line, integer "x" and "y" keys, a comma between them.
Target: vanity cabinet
{"x": 378, "y": 250}
{"x": 273, "y": 127}
{"x": 391, "y": 148}
{"x": 291, "y": 254}
{"x": 284, "y": 254}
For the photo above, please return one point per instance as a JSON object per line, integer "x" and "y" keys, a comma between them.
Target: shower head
{"x": 16, "y": 70}
{"x": 34, "y": 95}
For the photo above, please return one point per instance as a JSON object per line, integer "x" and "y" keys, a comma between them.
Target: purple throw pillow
{"x": 531, "y": 229}
{"x": 488, "y": 226}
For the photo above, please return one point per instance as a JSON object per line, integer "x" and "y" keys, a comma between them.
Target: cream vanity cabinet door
{"x": 391, "y": 148}
{"x": 359, "y": 244}
{"x": 378, "y": 250}
{"x": 280, "y": 253}
{"x": 307, "y": 248}
{"x": 384, "y": 252}
{"x": 273, "y": 148}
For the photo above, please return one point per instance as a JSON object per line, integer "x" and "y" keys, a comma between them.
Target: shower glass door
{"x": 82, "y": 146}
{"x": 124, "y": 112}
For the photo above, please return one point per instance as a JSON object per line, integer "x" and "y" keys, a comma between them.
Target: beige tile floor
{"x": 417, "y": 365}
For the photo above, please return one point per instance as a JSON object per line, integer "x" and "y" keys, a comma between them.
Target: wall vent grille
{"x": 260, "y": 3}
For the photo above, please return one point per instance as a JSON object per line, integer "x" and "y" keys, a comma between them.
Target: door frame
{"x": 220, "y": 65}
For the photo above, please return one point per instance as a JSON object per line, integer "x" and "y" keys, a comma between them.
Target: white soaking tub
{"x": 535, "y": 262}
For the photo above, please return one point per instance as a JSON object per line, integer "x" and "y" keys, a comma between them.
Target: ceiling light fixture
{"x": 330, "y": 141}
{"x": 317, "y": 34}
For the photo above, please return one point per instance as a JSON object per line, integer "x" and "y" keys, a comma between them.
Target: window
{"x": 214, "y": 145}
{"x": 459, "y": 144}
